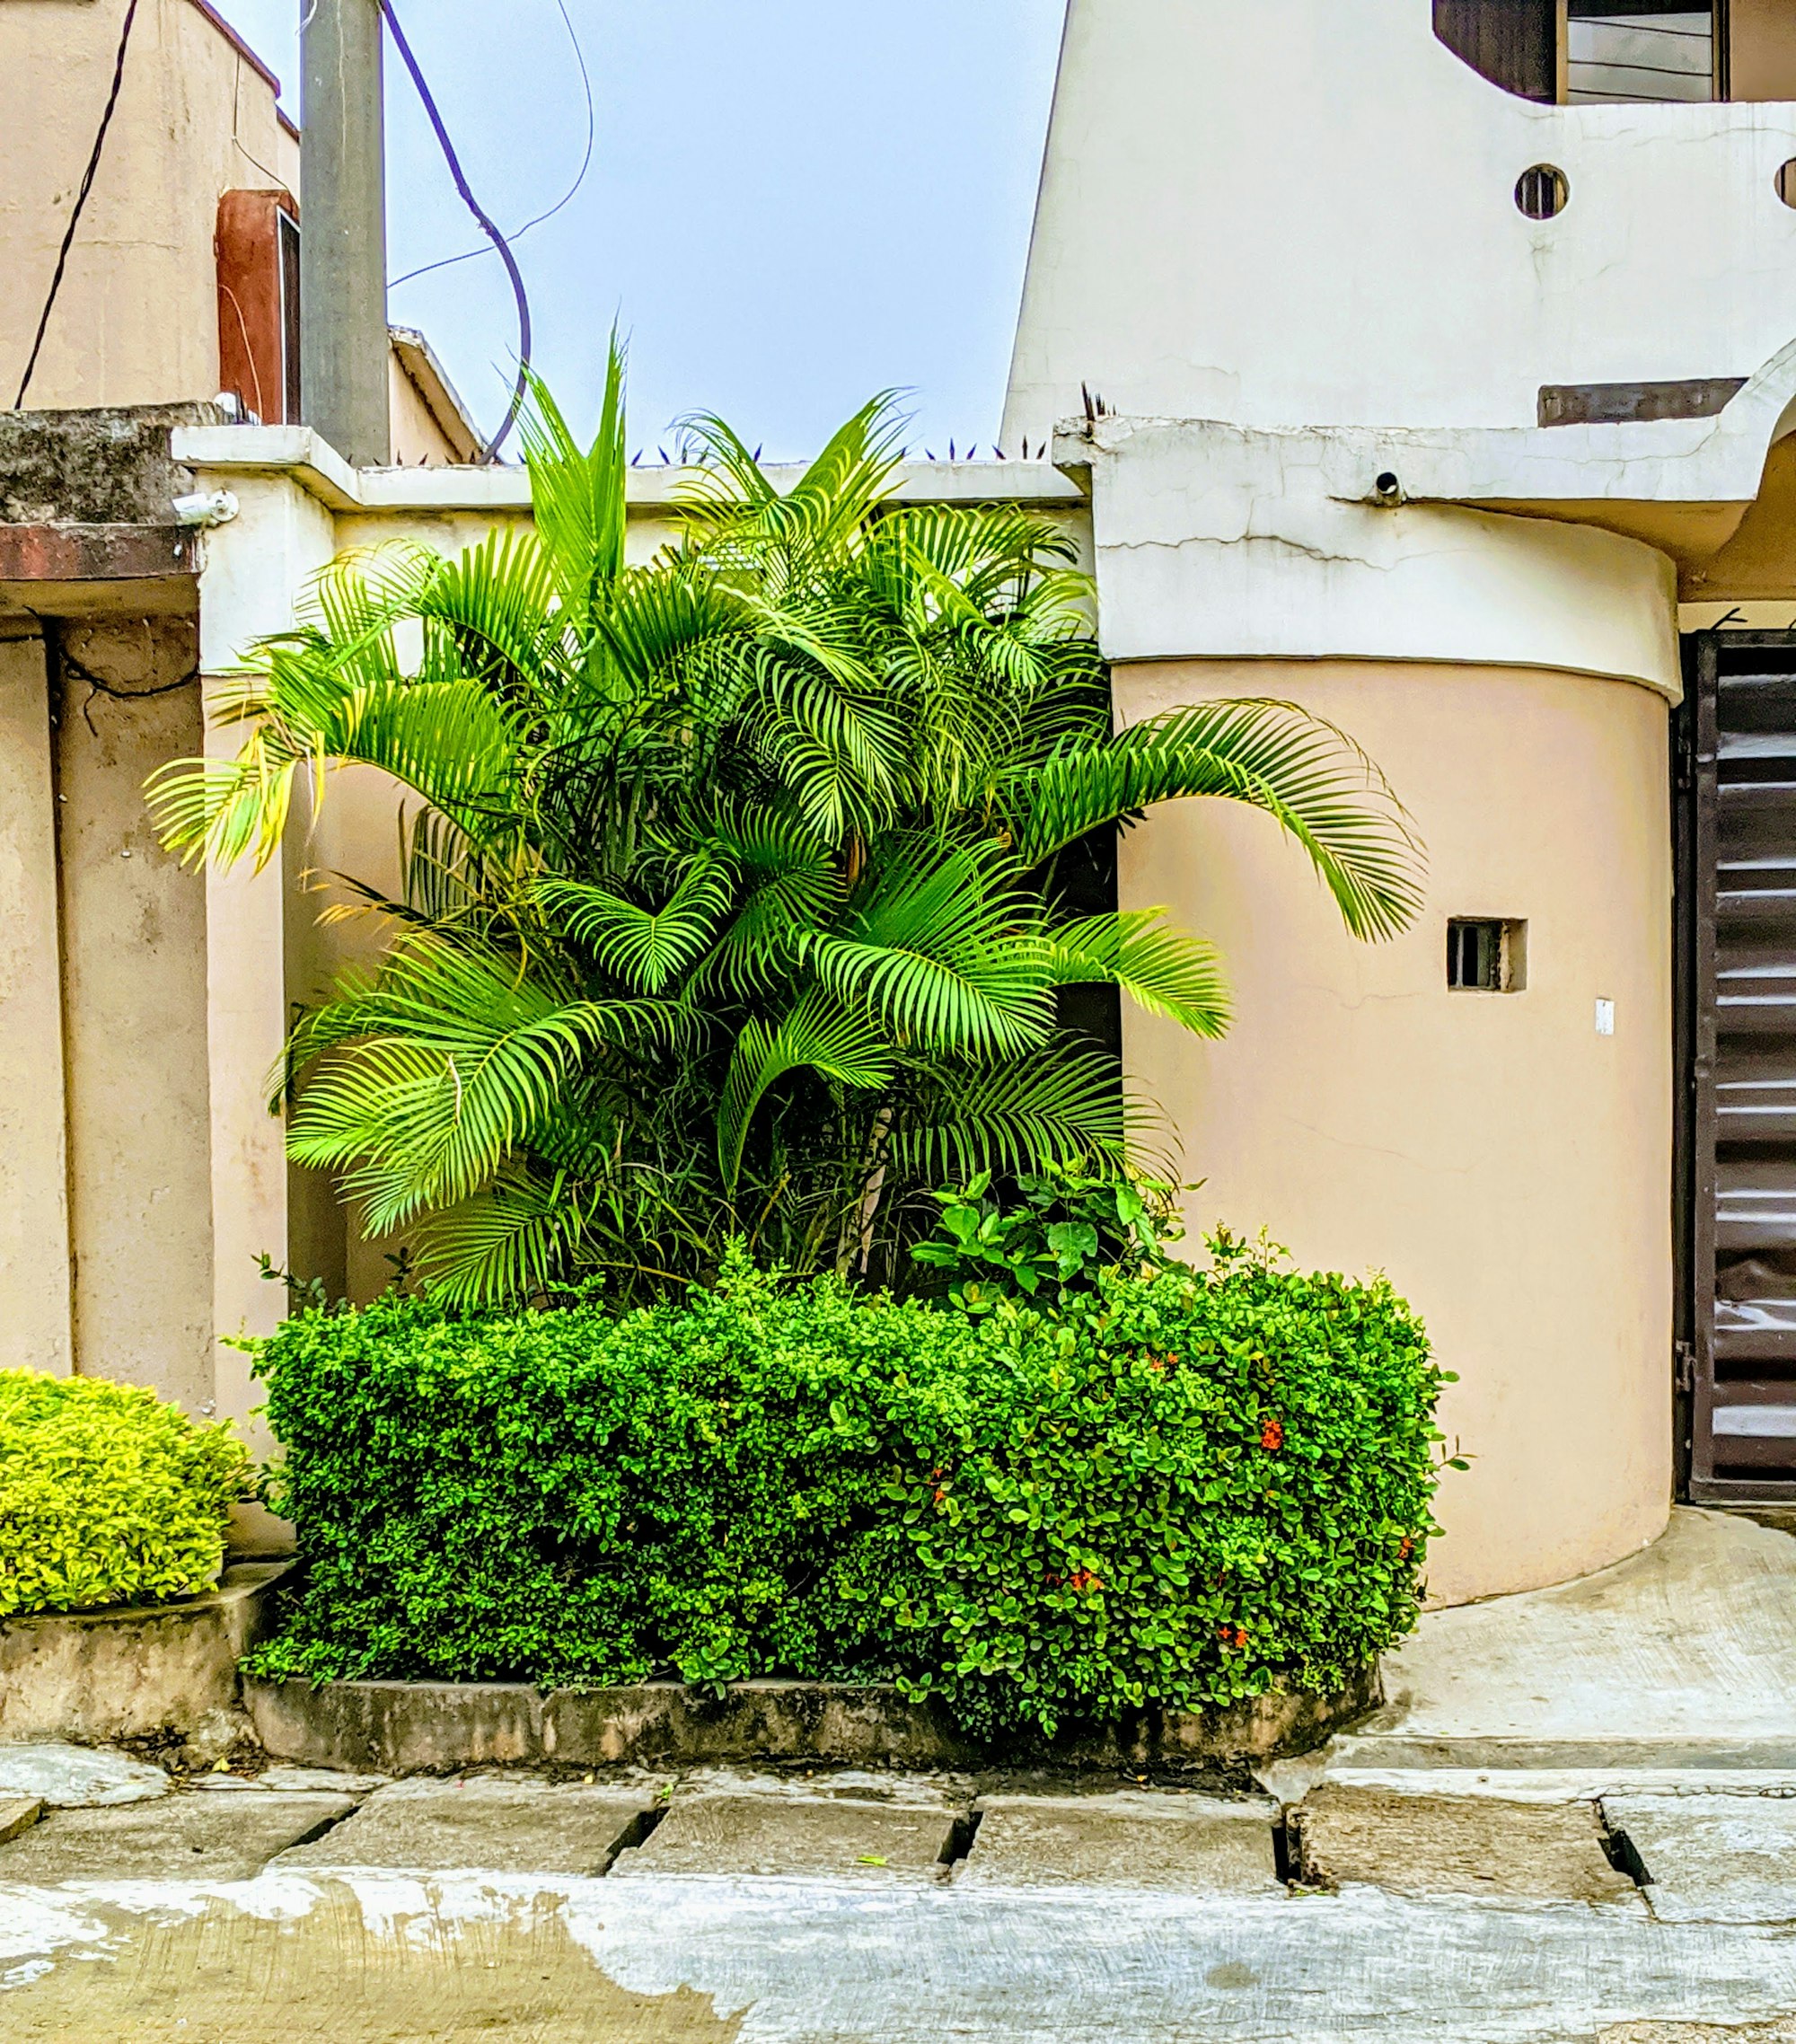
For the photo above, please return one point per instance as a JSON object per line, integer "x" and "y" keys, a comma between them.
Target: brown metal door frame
{"x": 1696, "y": 822}
{"x": 1699, "y": 878}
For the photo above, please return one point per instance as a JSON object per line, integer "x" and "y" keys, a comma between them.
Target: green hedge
{"x": 107, "y": 1495}
{"x": 1188, "y": 1490}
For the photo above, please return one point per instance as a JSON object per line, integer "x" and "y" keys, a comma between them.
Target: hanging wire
{"x": 567, "y": 197}
{"x": 81, "y": 199}
{"x": 486, "y": 225}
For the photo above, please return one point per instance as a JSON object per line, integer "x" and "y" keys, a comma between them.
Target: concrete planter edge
{"x": 403, "y": 1728}
{"x": 135, "y": 1671}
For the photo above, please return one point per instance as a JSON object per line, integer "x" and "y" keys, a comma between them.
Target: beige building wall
{"x": 34, "y": 1274}
{"x": 138, "y": 319}
{"x": 135, "y": 962}
{"x": 1508, "y": 1165}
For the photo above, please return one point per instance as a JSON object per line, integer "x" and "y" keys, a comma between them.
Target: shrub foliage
{"x": 1189, "y": 1488}
{"x": 107, "y": 1495}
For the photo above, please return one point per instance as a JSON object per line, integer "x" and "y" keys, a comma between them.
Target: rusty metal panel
{"x": 1740, "y": 1066}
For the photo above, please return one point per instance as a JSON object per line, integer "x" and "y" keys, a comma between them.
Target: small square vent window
{"x": 1486, "y": 955}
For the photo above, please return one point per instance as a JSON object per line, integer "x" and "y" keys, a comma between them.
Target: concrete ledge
{"x": 422, "y": 1727}
{"x": 94, "y": 1677}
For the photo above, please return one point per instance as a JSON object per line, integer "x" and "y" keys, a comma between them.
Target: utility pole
{"x": 343, "y": 231}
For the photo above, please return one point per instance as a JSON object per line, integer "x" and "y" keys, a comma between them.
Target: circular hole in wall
{"x": 1543, "y": 192}
{"x": 1786, "y": 182}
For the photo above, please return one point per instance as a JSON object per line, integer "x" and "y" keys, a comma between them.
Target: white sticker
{"x": 1605, "y": 1018}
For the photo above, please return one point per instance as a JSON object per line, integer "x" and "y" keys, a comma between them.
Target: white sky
{"x": 793, "y": 203}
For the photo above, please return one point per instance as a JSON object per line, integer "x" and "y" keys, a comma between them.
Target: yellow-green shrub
{"x": 107, "y": 1495}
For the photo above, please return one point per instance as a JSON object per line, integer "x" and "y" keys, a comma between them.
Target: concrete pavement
{"x": 1574, "y": 1824}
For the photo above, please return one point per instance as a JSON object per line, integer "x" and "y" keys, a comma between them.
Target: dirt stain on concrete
{"x": 329, "y": 1976}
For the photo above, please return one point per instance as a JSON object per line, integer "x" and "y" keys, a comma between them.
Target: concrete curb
{"x": 399, "y": 1727}
{"x": 134, "y": 1673}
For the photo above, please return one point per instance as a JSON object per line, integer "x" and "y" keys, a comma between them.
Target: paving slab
{"x": 485, "y": 1824}
{"x": 1190, "y": 1845}
{"x": 186, "y": 1838}
{"x": 1713, "y": 1859}
{"x": 18, "y": 1813}
{"x": 814, "y": 1837}
{"x": 837, "y": 1784}
{"x": 78, "y": 1777}
{"x": 1442, "y": 1846}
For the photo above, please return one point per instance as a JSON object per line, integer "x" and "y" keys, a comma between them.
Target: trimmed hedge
{"x": 1188, "y": 1489}
{"x": 108, "y": 1495}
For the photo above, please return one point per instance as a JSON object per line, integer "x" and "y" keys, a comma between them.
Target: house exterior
{"x": 176, "y": 287}
{"x": 122, "y": 1144}
{"x": 1430, "y": 364}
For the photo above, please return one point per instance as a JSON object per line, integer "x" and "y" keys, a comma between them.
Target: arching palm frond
{"x": 1010, "y": 1117}
{"x": 646, "y": 948}
{"x": 943, "y": 948}
{"x": 515, "y": 1239}
{"x": 839, "y": 1043}
{"x": 427, "y": 1077}
{"x": 1303, "y": 772}
{"x": 1167, "y": 972}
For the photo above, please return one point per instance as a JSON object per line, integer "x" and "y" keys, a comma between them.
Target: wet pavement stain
{"x": 224, "y": 1976}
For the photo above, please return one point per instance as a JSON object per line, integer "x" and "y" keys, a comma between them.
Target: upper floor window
{"x": 1618, "y": 49}
{"x": 1587, "y": 50}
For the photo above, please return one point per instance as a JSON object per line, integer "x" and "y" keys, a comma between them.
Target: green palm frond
{"x": 739, "y": 512}
{"x": 578, "y": 494}
{"x": 945, "y": 951}
{"x": 646, "y": 948}
{"x": 511, "y": 1239}
{"x": 429, "y": 1076}
{"x": 1011, "y": 1117}
{"x": 1309, "y": 775}
{"x": 1167, "y": 972}
{"x": 839, "y": 1044}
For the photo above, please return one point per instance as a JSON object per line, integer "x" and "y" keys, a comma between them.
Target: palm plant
{"x": 733, "y": 898}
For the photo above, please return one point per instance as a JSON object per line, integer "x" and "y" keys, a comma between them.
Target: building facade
{"x": 1430, "y": 364}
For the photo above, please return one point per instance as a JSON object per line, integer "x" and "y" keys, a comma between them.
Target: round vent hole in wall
{"x": 1543, "y": 192}
{"x": 1786, "y": 182}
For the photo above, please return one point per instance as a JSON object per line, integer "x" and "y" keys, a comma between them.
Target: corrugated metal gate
{"x": 1736, "y": 821}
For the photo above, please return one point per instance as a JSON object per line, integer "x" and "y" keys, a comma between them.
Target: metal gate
{"x": 1736, "y": 827}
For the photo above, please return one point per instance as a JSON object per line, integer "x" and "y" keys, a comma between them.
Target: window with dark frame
{"x": 289, "y": 284}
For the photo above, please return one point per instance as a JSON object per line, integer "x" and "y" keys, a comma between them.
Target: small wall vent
{"x": 1486, "y": 955}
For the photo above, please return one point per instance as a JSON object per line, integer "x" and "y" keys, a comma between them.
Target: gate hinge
{"x": 1686, "y": 1366}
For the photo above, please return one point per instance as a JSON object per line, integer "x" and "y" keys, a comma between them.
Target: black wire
{"x": 80, "y": 205}
{"x": 567, "y": 197}
{"x": 486, "y": 227}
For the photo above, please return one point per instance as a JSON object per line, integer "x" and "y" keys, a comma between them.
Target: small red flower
{"x": 1273, "y": 1436}
{"x": 1407, "y": 1548}
{"x": 1232, "y": 1637}
{"x": 941, "y": 1495}
{"x": 1083, "y": 1580}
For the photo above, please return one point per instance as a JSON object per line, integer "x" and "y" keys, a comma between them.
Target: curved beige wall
{"x": 1511, "y": 1168}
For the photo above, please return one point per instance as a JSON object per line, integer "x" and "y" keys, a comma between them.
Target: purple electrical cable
{"x": 487, "y": 227}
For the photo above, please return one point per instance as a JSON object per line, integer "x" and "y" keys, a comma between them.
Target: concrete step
{"x": 1435, "y": 1845}
{"x": 1167, "y": 1844}
{"x": 492, "y": 1826}
{"x": 184, "y": 1838}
